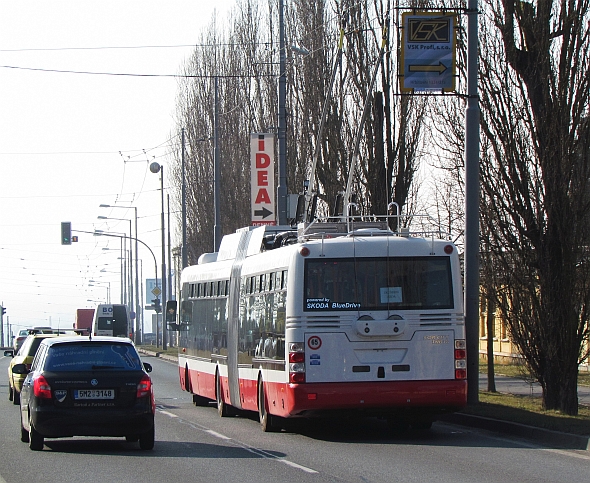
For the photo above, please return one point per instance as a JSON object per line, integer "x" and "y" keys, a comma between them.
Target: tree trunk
{"x": 490, "y": 328}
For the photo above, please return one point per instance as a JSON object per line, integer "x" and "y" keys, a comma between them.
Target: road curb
{"x": 546, "y": 437}
{"x": 157, "y": 354}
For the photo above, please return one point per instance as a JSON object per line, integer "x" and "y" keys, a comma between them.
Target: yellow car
{"x": 25, "y": 355}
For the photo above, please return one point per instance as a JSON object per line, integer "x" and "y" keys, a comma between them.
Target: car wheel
{"x": 24, "y": 434}
{"x": 36, "y": 440}
{"x": 146, "y": 440}
{"x": 15, "y": 397}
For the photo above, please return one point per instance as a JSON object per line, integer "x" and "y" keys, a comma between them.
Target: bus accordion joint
{"x": 296, "y": 363}
{"x": 460, "y": 359}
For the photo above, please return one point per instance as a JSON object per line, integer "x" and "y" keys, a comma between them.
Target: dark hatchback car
{"x": 79, "y": 386}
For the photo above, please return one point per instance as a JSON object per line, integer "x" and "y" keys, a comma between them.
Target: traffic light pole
{"x": 2, "y": 312}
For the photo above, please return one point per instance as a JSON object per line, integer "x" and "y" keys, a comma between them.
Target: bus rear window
{"x": 414, "y": 283}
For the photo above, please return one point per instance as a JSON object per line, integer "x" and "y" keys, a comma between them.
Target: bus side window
{"x": 186, "y": 312}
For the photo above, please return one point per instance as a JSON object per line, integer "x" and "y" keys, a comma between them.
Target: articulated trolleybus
{"x": 329, "y": 318}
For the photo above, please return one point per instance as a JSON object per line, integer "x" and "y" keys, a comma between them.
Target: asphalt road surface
{"x": 193, "y": 444}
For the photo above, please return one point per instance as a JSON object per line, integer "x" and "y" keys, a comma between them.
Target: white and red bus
{"x": 332, "y": 317}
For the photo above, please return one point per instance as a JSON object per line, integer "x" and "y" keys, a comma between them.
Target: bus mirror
{"x": 171, "y": 311}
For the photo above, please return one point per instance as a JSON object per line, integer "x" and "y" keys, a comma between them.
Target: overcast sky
{"x": 74, "y": 135}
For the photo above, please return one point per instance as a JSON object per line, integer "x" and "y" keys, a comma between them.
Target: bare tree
{"x": 535, "y": 94}
{"x": 243, "y": 55}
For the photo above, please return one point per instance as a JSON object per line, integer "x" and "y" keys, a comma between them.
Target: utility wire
{"x": 122, "y": 74}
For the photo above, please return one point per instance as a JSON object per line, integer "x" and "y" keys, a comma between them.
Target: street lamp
{"x": 99, "y": 233}
{"x": 138, "y": 309}
{"x": 158, "y": 168}
{"x": 123, "y": 257}
{"x": 108, "y": 288}
{"x": 107, "y": 298}
{"x": 130, "y": 257}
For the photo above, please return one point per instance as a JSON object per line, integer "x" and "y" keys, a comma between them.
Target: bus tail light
{"x": 460, "y": 359}
{"x": 296, "y": 363}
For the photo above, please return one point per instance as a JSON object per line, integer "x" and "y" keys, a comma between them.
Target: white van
{"x": 112, "y": 320}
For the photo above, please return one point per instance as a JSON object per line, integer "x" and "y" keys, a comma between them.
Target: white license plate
{"x": 94, "y": 394}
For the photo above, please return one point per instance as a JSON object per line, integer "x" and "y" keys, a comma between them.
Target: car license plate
{"x": 94, "y": 394}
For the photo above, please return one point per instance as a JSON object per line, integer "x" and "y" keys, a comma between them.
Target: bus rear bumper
{"x": 436, "y": 396}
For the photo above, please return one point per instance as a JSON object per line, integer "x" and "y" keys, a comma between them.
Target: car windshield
{"x": 91, "y": 356}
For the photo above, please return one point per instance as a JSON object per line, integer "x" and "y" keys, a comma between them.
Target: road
{"x": 194, "y": 445}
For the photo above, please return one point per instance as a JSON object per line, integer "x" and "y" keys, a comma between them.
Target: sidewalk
{"x": 515, "y": 385}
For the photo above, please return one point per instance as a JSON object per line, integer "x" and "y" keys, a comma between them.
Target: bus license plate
{"x": 94, "y": 394}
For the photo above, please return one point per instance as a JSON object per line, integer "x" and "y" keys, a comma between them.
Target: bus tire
{"x": 422, "y": 424}
{"x": 267, "y": 421}
{"x": 222, "y": 408}
{"x": 187, "y": 380}
{"x": 200, "y": 401}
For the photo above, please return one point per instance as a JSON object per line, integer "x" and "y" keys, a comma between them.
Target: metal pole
{"x": 472, "y": 207}
{"x": 169, "y": 261}
{"x": 138, "y": 318}
{"x": 164, "y": 341}
{"x": 2, "y": 324}
{"x": 282, "y": 131}
{"x": 131, "y": 274}
{"x": 122, "y": 270}
{"x": 184, "y": 252}
{"x": 216, "y": 174}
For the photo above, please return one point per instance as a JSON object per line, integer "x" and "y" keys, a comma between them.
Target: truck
{"x": 83, "y": 321}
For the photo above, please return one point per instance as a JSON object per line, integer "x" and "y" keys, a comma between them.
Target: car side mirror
{"x": 9, "y": 353}
{"x": 147, "y": 366}
{"x": 20, "y": 369}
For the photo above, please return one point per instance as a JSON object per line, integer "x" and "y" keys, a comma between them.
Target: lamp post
{"x": 108, "y": 287}
{"x": 138, "y": 309}
{"x": 158, "y": 168}
{"x": 100, "y": 233}
{"x": 123, "y": 257}
{"x": 130, "y": 257}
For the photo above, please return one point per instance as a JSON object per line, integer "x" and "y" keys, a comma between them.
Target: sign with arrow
{"x": 262, "y": 148}
{"x": 428, "y": 51}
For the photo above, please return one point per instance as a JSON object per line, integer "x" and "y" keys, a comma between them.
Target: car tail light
{"x": 144, "y": 387}
{"x": 41, "y": 388}
{"x": 460, "y": 359}
{"x": 296, "y": 363}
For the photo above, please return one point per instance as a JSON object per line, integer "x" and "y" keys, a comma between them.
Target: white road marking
{"x": 259, "y": 452}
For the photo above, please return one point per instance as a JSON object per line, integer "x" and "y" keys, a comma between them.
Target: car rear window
{"x": 91, "y": 356}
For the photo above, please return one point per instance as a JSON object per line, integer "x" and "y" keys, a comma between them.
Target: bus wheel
{"x": 200, "y": 401}
{"x": 398, "y": 426}
{"x": 222, "y": 408}
{"x": 423, "y": 424}
{"x": 187, "y": 380}
{"x": 267, "y": 421}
